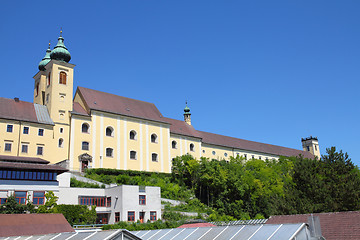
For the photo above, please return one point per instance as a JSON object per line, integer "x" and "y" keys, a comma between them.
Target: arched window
{"x": 133, "y": 155}
{"x": 85, "y": 146}
{"x": 109, "y": 152}
{"x": 154, "y": 157}
{"x": 109, "y": 132}
{"x": 132, "y": 135}
{"x": 174, "y": 144}
{"x": 62, "y": 79}
{"x": 61, "y": 143}
{"x": 192, "y": 147}
{"x": 153, "y": 138}
{"x": 85, "y": 128}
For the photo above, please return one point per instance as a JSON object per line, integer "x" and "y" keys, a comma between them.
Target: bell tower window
{"x": 48, "y": 79}
{"x": 37, "y": 89}
{"x": 62, "y": 79}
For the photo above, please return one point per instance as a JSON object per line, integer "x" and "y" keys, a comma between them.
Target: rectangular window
{"x": 117, "y": 216}
{"x": 152, "y": 216}
{"x": 85, "y": 146}
{"x": 108, "y": 202}
{"x": 154, "y": 157}
{"x": 245, "y": 156}
{"x": 20, "y": 197}
{"x": 2, "y": 201}
{"x": 38, "y": 198}
{"x": 41, "y": 132}
{"x": 109, "y": 152}
{"x": 26, "y": 130}
{"x": 131, "y": 216}
{"x": 24, "y": 148}
{"x": 7, "y": 147}
{"x": 9, "y": 128}
{"x": 133, "y": 155}
{"x": 142, "y": 199}
{"x": 96, "y": 201}
{"x": 40, "y": 150}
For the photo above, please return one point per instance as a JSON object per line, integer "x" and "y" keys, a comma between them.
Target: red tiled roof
{"x": 32, "y": 224}
{"x": 22, "y": 159}
{"x": 334, "y": 226}
{"x": 196, "y": 225}
{"x": 23, "y": 111}
{"x": 182, "y": 128}
{"x": 106, "y": 102}
{"x": 33, "y": 166}
{"x": 78, "y": 109}
{"x": 220, "y": 140}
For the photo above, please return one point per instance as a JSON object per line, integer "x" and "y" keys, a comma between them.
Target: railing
{"x": 89, "y": 226}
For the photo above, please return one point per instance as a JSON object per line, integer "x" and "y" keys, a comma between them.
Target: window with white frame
{"x": 154, "y": 157}
{"x": 109, "y": 152}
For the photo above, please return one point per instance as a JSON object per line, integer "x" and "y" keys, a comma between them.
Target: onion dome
{"x": 60, "y": 52}
{"x": 45, "y": 60}
{"x": 187, "y": 109}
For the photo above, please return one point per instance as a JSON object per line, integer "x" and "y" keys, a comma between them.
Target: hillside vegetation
{"x": 239, "y": 189}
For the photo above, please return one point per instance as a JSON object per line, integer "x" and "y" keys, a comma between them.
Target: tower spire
{"x": 187, "y": 114}
{"x": 45, "y": 60}
{"x": 60, "y": 52}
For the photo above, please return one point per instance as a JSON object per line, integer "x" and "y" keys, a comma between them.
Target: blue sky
{"x": 267, "y": 71}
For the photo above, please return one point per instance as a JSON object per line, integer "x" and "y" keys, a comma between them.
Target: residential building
{"x": 28, "y": 179}
{"x": 129, "y": 203}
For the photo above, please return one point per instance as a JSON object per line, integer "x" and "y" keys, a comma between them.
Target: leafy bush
{"x": 76, "y": 183}
{"x": 77, "y": 214}
{"x": 169, "y": 189}
{"x": 143, "y": 226}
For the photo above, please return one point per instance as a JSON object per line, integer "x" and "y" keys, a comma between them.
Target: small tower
{"x": 311, "y": 144}
{"x": 187, "y": 115}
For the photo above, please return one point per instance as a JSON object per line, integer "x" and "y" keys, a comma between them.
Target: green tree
{"x": 12, "y": 206}
{"x": 50, "y": 203}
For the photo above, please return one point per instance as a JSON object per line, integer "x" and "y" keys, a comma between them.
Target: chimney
{"x": 16, "y": 99}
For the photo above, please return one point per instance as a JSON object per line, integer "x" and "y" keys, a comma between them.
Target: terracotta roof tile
{"x": 182, "y": 128}
{"x": 32, "y": 224}
{"x": 10, "y": 109}
{"x": 23, "y": 111}
{"x": 78, "y": 109}
{"x": 111, "y": 103}
{"x": 334, "y": 226}
{"x": 220, "y": 140}
{"x": 22, "y": 159}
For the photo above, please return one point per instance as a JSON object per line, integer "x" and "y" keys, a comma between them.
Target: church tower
{"x": 311, "y": 145}
{"x": 54, "y": 82}
{"x": 187, "y": 115}
{"x": 54, "y": 89}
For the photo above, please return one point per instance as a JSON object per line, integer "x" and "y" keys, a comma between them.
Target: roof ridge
{"x": 118, "y": 96}
{"x": 248, "y": 140}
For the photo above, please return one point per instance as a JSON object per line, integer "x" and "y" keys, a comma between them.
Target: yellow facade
{"x": 97, "y": 138}
{"x": 26, "y": 139}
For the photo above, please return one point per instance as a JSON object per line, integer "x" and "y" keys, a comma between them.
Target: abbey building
{"x": 93, "y": 129}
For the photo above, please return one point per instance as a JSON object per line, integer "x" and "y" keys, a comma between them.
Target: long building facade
{"x": 93, "y": 129}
